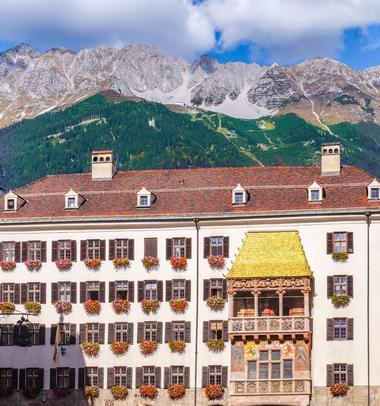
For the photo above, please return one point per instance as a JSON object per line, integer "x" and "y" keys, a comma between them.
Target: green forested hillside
{"x": 149, "y": 135}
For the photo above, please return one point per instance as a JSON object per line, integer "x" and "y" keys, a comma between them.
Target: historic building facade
{"x": 260, "y": 281}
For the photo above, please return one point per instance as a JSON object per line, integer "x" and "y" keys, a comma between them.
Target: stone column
{"x": 306, "y": 293}
{"x": 280, "y": 293}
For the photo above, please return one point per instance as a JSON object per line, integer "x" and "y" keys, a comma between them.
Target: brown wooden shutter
{"x": 225, "y": 293}
{"x": 224, "y": 376}
{"x": 21, "y": 379}
{"x": 169, "y": 248}
{"x": 73, "y": 250}
{"x": 43, "y": 293}
{"x": 168, "y": 331}
{"x": 72, "y": 378}
{"x": 329, "y": 243}
{"x": 102, "y": 328}
{"x": 350, "y": 329}
{"x": 140, "y": 332}
{"x": 24, "y": 251}
{"x": 129, "y": 378}
{"x": 131, "y": 249}
{"x": 159, "y": 332}
{"x": 42, "y": 332}
{"x": 101, "y": 377}
{"x": 80, "y": 378}
{"x": 111, "y": 249}
{"x": 83, "y": 250}
{"x": 350, "y": 286}
{"x": 54, "y": 292}
{"x": 330, "y": 286}
{"x": 157, "y": 377}
{"x": 18, "y": 252}
{"x": 103, "y": 250}
{"x": 43, "y": 251}
{"x": 206, "y": 289}
{"x": 73, "y": 333}
{"x": 24, "y": 293}
{"x": 140, "y": 290}
{"x": 83, "y": 291}
{"x": 166, "y": 377}
{"x": 350, "y": 375}
{"x": 206, "y": 247}
{"x": 225, "y": 331}
{"x": 82, "y": 333}
{"x": 111, "y": 332}
{"x": 350, "y": 242}
{"x": 204, "y": 377}
{"x": 150, "y": 247}
{"x": 102, "y": 292}
{"x": 187, "y": 331}
{"x": 131, "y": 292}
{"x": 187, "y": 377}
{"x": 54, "y": 251}
{"x": 330, "y": 329}
{"x": 226, "y": 247}
{"x": 53, "y": 332}
{"x": 160, "y": 291}
{"x": 188, "y": 248}
{"x": 188, "y": 290}
{"x": 53, "y": 378}
{"x": 14, "y": 378}
{"x": 138, "y": 377}
{"x": 17, "y": 293}
{"x": 130, "y": 333}
{"x": 40, "y": 378}
{"x": 111, "y": 291}
{"x": 205, "y": 331}
{"x": 110, "y": 377}
{"x": 73, "y": 292}
{"x": 1, "y": 251}
{"x": 169, "y": 288}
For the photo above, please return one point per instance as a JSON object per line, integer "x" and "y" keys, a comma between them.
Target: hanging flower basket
{"x": 33, "y": 265}
{"x": 148, "y": 391}
{"x": 121, "y": 263}
{"x": 339, "y": 256}
{"x": 119, "y": 392}
{"x": 91, "y": 392}
{"x": 93, "y": 264}
{"x": 339, "y": 389}
{"x": 214, "y": 391}
{"x": 177, "y": 346}
{"x": 340, "y": 300}
{"x": 178, "y": 263}
{"x": 91, "y": 348}
{"x": 62, "y": 392}
{"x": 7, "y": 307}
{"x": 215, "y": 345}
{"x": 150, "y": 306}
{"x": 150, "y": 263}
{"x": 216, "y": 261}
{"x": 148, "y": 347}
{"x": 178, "y": 305}
{"x": 64, "y": 264}
{"x": 120, "y": 306}
{"x": 7, "y": 265}
{"x": 176, "y": 391}
{"x": 63, "y": 307}
{"x": 30, "y": 393}
{"x": 92, "y": 306}
{"x": 33, "y": 307}
{"x": 119, "y": 347}
{"x": 216, "y": 303}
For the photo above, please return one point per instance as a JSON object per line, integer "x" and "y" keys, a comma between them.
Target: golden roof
{"x": 270, "y": 254}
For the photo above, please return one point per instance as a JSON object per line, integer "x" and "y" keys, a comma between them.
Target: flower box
{"x": 214, "y": 391}
{"x": 177, "y": 346}
{"x": 7, "y": 307}
{"x": 148, "y": 347}
{"x": 62, "y": 392}
{"x": 339, "y": 389}
{"x": 148, "y": 391}
{"x": 176, "y": 391}
{"x": 91, "y": 392}
{"x": 33, "y": 307}
{"x": 121, "y": 263}
{"x": 64, "y": 264}
{"x": 63, "y": 307}
{"x": 215, "y": 345}
{"x": 91, "y": 348}
{"x": 150, "y": 263}
{"x": 7, "y": 265}
{"x": 119, "y": 392}
{"x": 150, "y": 306}
{"x": 33, "y": 265}
{"x": 339, "y": 256}
{"x": 30, "y": 393}
{"x": 119, "y": 347}
{"x": 178, "y": 263}
{"x": 340, "y": 300}
{"x": 178, "y": 305}
{"x": 93, "y": 264}
{"x": 216, "y": 303}
{"x": 92, "y": 306}
{"x": 120, "y": 306}
{"x": 216, "y": 261}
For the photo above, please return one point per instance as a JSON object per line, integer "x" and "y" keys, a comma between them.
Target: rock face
{"x": 320, "y": 90}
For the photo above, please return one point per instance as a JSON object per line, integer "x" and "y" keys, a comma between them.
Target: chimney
{"x": 103, "y": 166}
{"x": 330, "y": 159}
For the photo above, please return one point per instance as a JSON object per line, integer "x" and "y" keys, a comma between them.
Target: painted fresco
{"x": 237, "y": 357}
{"x": 301, "y": 356}
{"x": 251, "y": 350}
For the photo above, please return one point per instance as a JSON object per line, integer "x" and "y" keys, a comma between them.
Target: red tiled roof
{"x": 194, "y": 192}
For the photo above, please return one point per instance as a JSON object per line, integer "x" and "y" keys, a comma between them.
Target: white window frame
{"x": 239, "y": 191}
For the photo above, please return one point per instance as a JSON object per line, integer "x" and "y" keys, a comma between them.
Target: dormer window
{"x": 239, "y": 195}
{"x": 144, "y": 198}
{"x": 12, "y": 201}
{"x": 374, "y": 190}
{"x": 315, "y": 193}
{"x": 71, "y": 203}
{"x": 73, "y": 200}
{"x": 11, "y": 204}
{"x": 144, "y": 201}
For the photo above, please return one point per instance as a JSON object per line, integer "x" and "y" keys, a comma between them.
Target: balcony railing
{"x": 272, "y": 324}
{"x": 271, "y": 387}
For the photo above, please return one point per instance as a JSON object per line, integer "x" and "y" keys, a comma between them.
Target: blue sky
{"x": 258, "y": 31}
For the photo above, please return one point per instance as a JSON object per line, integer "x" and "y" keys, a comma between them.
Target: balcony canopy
{"x": 270, "y": 255}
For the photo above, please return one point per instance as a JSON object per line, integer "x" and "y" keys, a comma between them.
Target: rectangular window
{"x": 216, "y": 330}
{"x": 340, "y": 242}
{"x": 148, "y": 377}
{"x": 121, "y": 332}
{"x": 143, "y": 200}
{"x": 314, "y": 194}
{"x": 178, "y": 330}
{"x": 252, "y": 370}
{"x": 6, "y": 378}
{"x": 263, "y": 370}
{"x": 120, "y": 376}
{"x": 375, "y": 193}
{"x": 121, "y": 290}
{"x": 64, "y": 249}
{"x": 150, "y": 290}
{"x": 93, "y": 249}
{"x": 34, "y": 292}
{"x": 65, "y": 333}
{"x": 287, "y": 369}
{"x": 71, "y": 203}
{"x": 63, "y": 377}
{"x": 340, "y": 285}
{"x": 92, "y": 290}
{"x": 215, "y": 374}
{"x": 121, "y": 248}
{"x": 64, "y": 291}
{"x": 216, "y": 287}
{"x": 340, "y": 373}
{"x": 92, "y": 332}
{"x": 9, "y": 250}
{"x": 238, "y": 197}
{"x": 34, "y": 250}
{"x": 150, "y": 331}
{"x": 179, "y": 247}
{"x": 177, "y": 375}
{"x": 6, "y": 334}
{"x": 270, "y": 366}
{"x": 340, "y": 329}
{"x": 178, "y": 289}
{"x": 216, "y": 245}
{"x": 8, "y": 292}
{"x": 35, "y": 338}
{"x": 91, "y": 376}
{"x": 32, "y": 378}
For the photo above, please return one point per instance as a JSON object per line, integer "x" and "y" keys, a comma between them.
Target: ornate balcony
{"x": 271, "y": 387}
